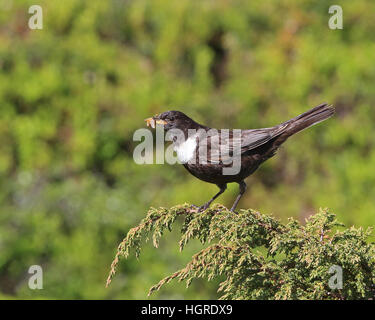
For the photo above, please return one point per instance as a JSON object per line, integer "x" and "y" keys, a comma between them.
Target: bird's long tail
{"x": 309, "y": 118}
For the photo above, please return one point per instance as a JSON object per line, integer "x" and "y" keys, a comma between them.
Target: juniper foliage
{"x": 261, "y": 258}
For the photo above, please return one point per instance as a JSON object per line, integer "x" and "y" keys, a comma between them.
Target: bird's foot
{"x": 200, "y": 208}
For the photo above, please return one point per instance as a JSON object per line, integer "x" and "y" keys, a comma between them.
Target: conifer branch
{"x": 261, "y": 258}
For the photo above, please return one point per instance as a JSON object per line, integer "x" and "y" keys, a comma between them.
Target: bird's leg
{"x": 222, "y": 187}
{"x": 242, "y": 191}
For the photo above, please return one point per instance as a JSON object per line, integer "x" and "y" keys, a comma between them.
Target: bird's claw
{"x": 199, "y": 208}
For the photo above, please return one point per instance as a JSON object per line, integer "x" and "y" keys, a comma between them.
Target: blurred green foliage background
{"x": 72, "y": 95}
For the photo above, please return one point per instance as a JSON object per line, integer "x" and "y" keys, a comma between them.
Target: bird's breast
{"x": 186, "y": 150}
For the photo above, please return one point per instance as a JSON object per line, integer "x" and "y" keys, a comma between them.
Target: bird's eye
{"x": 172, "y": 118}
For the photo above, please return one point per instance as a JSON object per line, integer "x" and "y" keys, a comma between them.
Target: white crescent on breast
{"x": 186, "y": 150}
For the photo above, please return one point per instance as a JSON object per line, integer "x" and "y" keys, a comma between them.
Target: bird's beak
{"x": 151, "y": 122}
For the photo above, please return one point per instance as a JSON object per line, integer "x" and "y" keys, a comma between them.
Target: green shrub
{"x": 73, "y": 93}
{"x": 261, "y": 258}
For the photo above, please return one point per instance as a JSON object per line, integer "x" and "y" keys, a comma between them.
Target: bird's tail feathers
{"x": 309, "y": 118}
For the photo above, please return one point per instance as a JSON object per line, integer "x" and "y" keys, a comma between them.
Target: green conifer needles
{"x": 261, "y": 258}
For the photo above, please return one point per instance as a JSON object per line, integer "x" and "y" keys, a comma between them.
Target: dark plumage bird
{"x": 254, "y": 146}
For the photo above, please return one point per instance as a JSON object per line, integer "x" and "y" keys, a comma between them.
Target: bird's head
{"x": 171, "y": 120}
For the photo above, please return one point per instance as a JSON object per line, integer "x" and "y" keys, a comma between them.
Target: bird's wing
{"x": 223, "y": 146}
{"x": 253, "y": 138}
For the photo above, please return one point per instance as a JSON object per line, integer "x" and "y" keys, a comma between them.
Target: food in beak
{"x": 151, "y": 122}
